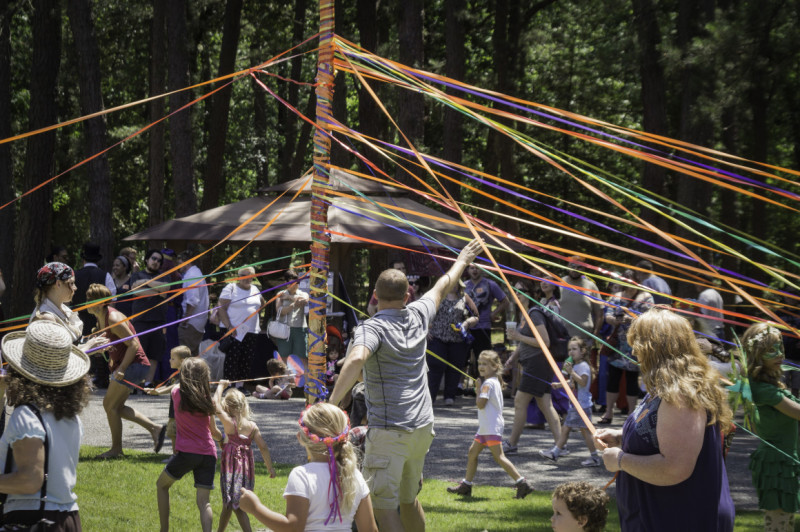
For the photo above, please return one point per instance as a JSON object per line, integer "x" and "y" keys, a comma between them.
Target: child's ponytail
{"x": 325, "y": 428}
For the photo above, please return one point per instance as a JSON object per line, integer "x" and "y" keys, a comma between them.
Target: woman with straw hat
{"x": 46, "y": 383}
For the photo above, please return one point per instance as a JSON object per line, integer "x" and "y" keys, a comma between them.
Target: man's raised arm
{"x": 446, "y": 282}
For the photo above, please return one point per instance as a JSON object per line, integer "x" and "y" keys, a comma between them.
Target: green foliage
{"x": 570, "y": 55}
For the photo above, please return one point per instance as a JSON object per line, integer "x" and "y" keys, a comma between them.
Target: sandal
{"x": 604, "y": 421}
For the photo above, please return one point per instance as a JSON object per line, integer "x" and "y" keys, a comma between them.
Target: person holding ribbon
{"x": 239, "y": 306}
{"x": 668, "y": 455}
{"x": 448, "y": 340}
{"x": 55, "y": 286}
{"x": 237, "y": 467}
{"x": 128, "y": 366}
{"x": 389, "y": 351}
{"x": 774, "y": 464}
{"x": 47, "y": 385}
{"x": 328, "y": 492}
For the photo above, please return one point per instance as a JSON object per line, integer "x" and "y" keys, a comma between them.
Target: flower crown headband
{"x": 329, "y": 441}
{"x": 761, "y": 337}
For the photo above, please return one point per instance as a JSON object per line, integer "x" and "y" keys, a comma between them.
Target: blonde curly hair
{"x": 672, "y": 366}
{"x": 235, "y": 405}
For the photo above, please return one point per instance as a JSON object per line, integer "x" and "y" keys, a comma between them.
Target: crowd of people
{"x": 118, "y": 329}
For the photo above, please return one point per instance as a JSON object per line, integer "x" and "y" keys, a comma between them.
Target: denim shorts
{"x": 573, "y": 419}
{"x": 136, "y": 374}
{"x": 203, "y": 466}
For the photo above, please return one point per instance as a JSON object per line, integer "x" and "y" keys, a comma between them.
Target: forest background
{"x": 722, "y": 74}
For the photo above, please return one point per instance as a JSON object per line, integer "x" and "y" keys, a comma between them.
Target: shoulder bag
{"x": 278, "y": 328}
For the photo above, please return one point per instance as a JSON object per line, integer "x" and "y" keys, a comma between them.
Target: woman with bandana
{"x": 55, "y": 286}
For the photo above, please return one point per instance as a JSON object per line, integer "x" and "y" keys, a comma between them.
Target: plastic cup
{"x": 511, "y": 325}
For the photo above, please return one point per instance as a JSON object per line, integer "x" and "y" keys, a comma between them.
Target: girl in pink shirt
{"x": 194, "y": 442}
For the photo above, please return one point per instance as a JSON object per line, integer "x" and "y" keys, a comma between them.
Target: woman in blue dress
{"x": 668, "y": 454}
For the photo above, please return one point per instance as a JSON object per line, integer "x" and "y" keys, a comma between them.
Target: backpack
{"x": 557, "y": 332}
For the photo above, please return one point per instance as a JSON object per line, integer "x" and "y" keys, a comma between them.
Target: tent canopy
{"x": 346, "y": 216}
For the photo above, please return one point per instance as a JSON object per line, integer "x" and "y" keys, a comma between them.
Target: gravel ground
{"x": 455, "y": 427}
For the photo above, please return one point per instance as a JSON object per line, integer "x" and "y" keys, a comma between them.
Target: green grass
{"x": 121, "y": 495}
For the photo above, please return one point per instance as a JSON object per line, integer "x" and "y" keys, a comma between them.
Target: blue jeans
{"x": 455, "y": 353}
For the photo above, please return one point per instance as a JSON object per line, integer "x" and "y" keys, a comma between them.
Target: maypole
{"x": 320, "y": 238}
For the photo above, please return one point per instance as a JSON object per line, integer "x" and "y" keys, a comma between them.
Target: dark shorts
{"x": 136, "y": 374}
{"x": 203, "y": 466}
{"x": 64, "y": 521}
{"x": 631, "y": 381}
{"x": 154, "y": 343}
{"x": 536, "y": 376}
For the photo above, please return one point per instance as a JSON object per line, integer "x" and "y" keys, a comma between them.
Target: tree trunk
{"x": 33, "y": 235}
{"x": 339, "y": 157}
{"x": 95, "y": 139}
{"x": 369, "y": 116}
{"x": 758, "y": 100}
{"x": 260, "y": 146}
{"x": 156, "y": 110}
{"x": 180, "y": 124}
{"x": 411, "y": 106}
{"x": 654, "y": 96}
{"x": 7, "y": 218}
{"x": 455, "y": 67}
{"x": 729, "y": 198}
{"x": 288, "y": 118}
{"x": 220, "y": 107}
{"x": 695, "y": 126}
{"x": 303, "y": 139}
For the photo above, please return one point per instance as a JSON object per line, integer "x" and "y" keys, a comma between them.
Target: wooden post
{"x": 320, "y": 238}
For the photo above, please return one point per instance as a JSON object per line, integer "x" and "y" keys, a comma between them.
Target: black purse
{"x": 42, "y": 525}
{"x": 225, "y": 345}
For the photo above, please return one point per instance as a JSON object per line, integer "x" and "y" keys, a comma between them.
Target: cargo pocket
{"x": 377, "y": 475}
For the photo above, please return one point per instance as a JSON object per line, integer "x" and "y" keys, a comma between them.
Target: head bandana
{"x": 52, "y": 272}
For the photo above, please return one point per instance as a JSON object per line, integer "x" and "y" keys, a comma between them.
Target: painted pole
{"x": 320, "y": 238}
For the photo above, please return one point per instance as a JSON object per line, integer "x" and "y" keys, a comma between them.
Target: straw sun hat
{"x": 45, "y": 354}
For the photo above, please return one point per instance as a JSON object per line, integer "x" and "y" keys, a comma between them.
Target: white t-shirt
{"x": 243, "y": 303}
{"x": 584, "y": 394}
{"x": 65, "y": 442}
{"x": 311, "y": 481}
{"x": 196, "y": 296}
{"x": 490, "y": 417}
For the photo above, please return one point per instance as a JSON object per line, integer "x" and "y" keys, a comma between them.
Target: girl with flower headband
{"x": 774, "y": 464}
{"x": 327, "y": 493}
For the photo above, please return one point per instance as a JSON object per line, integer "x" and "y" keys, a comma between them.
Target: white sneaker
{"x": 449, "y": 402}
{"x": 592, "y": 461}
{"x": 508, "y": 448}
{"x": 563, "y": 452}
{"x": 550, "y": 455}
